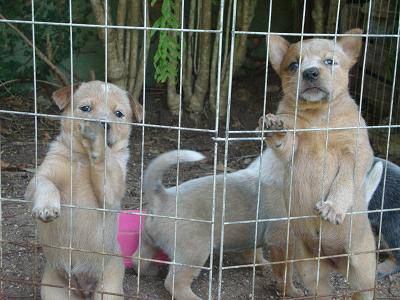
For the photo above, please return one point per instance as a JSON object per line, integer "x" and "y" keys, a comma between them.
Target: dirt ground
{"x": 22, "y": 259}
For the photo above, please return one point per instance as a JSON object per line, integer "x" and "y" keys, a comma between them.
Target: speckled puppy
{"x": 83, "y": 227}
{"x": 193, "y": 239}
{"x": 322, "y": 92}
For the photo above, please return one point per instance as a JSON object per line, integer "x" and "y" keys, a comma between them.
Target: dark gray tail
{"x": 158, "y": 166}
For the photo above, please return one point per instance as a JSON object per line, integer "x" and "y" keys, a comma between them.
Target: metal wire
{"x": 388, "y": 143}
{"x": 35, "y": 265}
{"x": 228, "y": 115}
{"x": 71, "y": 49}
{"x": 269, "y": 17}
{"x": 350, "y": 251}
{"x": 324, "y": 171}
{"x": 228, "y": 137}
{"x": 142, "y": 143}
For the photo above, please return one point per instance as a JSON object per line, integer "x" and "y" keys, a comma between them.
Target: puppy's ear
{"x": 278, "y": 47}
{"x": 352, "y": 44}
{"x": 372, "y": 180}
{"x": 260, "y": 123}
{"x": 62, "y": 97}
{"x": 137, "y": 108}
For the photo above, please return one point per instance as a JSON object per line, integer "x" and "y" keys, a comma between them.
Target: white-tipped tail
{"x": 372, "y": 180}
{"x": 158, "y": 166}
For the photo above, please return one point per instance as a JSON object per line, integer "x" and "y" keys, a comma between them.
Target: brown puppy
{"x": 339, "y": 187}
{"x": 82, "y": 228}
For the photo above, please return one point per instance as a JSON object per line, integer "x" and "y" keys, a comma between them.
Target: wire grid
{"x": 225, "y": 139}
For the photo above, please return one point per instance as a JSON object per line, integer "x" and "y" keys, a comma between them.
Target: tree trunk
{"x": 173, "y": 98}
{"x": 134, "y": 20}
{"x": 214, "y": 68}
{"x": 332, "y": 13}
{"x": 318, "y": 16}
{"x": 202, "y": 81}
{"x": 244, "y": 19}
{"x": 124, "y": 66}
{"x": 188, "y": 56}
{"x": 115, "y": 64}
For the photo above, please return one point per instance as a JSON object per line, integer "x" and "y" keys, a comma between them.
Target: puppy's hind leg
{"x": 362, "y": 266}
{"x": 391, "y": 235}
{"x": 180, "y": 288}
{"x": 387, "y": 268}
{"x": 179, "y": 283}
{"x": 147, "y": 250}
{"x": 361, "y": 275}
{"x": 308, "y": 271}
{"x": 53, "y": 286}
{"x": 278, "y": 254}
{"x": 247, "y": 258}
{"x": 113, "y": 279}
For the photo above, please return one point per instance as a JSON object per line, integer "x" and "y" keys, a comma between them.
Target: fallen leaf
{"x": 220, "y": 168}
{"x": 46, "y": 136}
{"x": 30, "y": 170}
{"x": 4, "y": 130}
{"x": 4, "y": 164}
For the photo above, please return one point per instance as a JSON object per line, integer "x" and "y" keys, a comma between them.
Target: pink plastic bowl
{"x": 128, "y": 236}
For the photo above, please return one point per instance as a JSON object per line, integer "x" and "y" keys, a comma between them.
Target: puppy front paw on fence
{"x": 274, "y": 126}
{"x": 46, "y": 213}
{"x": 93, "y": 138}
{"x": 330, "y": 212}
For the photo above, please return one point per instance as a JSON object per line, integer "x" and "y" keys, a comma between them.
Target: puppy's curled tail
{"x": 152, "y": 184}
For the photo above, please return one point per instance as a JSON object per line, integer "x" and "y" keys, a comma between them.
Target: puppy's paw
{"x": 93, "y": 139}
{"x": 330, "y": 212}
{"x": 295, "y": 292}
{"x": 263, "y": 271}
{"x": 273, "y": 122}
{"x": 91, "y": 130}
{"x": 387, "y": 268}
{"x": 290, "y": 290}
{"x": 46, "y": 214}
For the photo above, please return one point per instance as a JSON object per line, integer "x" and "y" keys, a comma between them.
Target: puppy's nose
{"x": 311, "y": 74}
{"x": 105, "y": 124}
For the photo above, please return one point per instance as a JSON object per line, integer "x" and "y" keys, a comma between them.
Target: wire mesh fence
{"x": 240, "y": 166}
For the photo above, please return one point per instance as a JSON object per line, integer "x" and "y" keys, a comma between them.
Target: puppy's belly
{"x": 313, "y": 174}
{"x": 87, "y": 233}
{"x": 311, "y": 184}
{"x": 239, "y": 237}
{"x": 333, "y": 242}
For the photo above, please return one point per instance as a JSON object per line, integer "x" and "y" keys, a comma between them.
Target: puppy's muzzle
{"x": 106, "y": 125}
{"x": 311, "y": 74}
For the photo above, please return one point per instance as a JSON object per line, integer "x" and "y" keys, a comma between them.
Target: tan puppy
{"x": 79, "y": 228}
{"x": 323, "y": 82}
{"x": 193, "y": 239}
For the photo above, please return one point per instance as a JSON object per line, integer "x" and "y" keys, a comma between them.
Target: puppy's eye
{"x": 293, "y": 66}
{"x": 119, "y": 114}
{"x": 85, "y": 108}
{"x": 329, "y": 62}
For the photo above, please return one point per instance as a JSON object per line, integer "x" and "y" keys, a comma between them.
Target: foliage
{"x": 167, "y": 56}
{"x": 16, "y": 59}
{"x": 390, "y": 62}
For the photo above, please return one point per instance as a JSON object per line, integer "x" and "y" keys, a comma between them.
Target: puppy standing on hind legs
{"x": 80, "y": 274}
{"x": 323, "y": 88}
